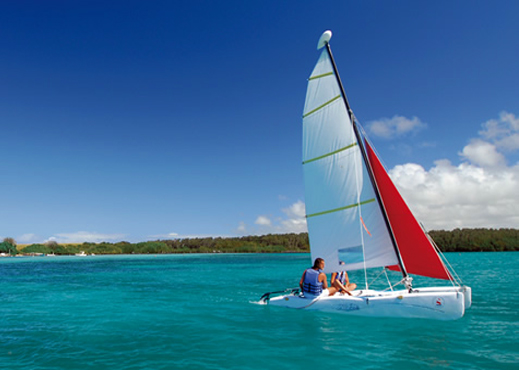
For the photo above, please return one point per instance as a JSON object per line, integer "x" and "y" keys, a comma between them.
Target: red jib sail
{"x": 417, "y": 252}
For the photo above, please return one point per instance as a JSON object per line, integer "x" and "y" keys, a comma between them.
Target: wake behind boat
{"x": 357, "y": 219}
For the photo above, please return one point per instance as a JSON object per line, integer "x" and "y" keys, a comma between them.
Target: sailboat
{"x": 357, "y": 219}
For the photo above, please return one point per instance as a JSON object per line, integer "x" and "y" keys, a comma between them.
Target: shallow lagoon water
{"x": 195, "y": 311}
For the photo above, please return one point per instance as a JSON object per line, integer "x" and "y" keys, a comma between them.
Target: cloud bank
{"x": 71, "y": 238}
{"x": 85, "y": 236}
{"x": 479, "y": 192}
{"x": 467, "y": 195}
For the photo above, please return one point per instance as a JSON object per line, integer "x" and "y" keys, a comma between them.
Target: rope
{"x": 388, "y": 281}
{"x": 456, "y": 280}
{"x": 361, "y": 223}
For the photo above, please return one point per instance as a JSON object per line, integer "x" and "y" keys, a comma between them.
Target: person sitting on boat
{"x": 314, "y": 283}
{"x": 341, "y": 281}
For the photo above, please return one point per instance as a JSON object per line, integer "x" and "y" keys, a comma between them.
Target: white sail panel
{"x": 325, "y": 116}
{"x": 336, "y": 174}
{"x": 378, "y": 248}
{"x": 340, "y": 205}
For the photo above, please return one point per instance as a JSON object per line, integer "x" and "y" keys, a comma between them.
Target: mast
{"x": 324, "y": 41}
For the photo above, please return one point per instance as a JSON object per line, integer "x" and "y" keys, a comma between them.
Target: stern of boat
{"x": 467, "y": 294}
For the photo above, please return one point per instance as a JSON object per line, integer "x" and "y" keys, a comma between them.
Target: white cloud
{"x": 293, "y": 222}
{"x": 187, "y": 236}
{"x": 85, "y": 236}
{"x": 27, "y": 238}
{"x": 242, "y": 228}
{"x": 164, "y": 236}
{"x": 388, "y": 128}
{"x": 483, "y": 154}
{"x": 263, "y": 221}
{"x": 480, "y": 192}
{"x": 503, "y": 132}
{"x": 296, "y": 210}
{"x": 509, "y": 143}
{"x": 448, "y": 196}
{"x": 296, "y": 218}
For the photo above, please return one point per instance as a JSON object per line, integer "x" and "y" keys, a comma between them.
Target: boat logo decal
{"x": 438, "y": 301}
{"x": 348, "y": 307}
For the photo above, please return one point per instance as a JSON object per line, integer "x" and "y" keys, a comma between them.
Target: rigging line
{"x": 454, "y": 278}
{"x": 321, "y": 106}
{"x": 388, "y": 281}
{"x": 341, "y": 208}
{"x": 450, "y": 270}
{"x": 329, "y": 154}
{"x": 391, "y": 287}
{"x": 366, "y": 137}
{"x": 361, "y": 223}
{"x": 376, "y": 277}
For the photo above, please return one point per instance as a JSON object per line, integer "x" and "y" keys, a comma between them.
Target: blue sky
{"x": 134, "y": 120}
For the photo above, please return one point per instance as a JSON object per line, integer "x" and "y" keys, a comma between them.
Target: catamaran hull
{"x": 428, "y": 303}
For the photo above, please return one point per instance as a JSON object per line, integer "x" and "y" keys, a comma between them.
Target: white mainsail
{"x": 344, "y": 219}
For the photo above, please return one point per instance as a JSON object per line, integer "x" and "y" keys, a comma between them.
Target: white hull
{"x": 442, "y": 303}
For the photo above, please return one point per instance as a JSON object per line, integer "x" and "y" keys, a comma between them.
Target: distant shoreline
{"x": 458, "y": 240}
{"x": 48, "y": 257}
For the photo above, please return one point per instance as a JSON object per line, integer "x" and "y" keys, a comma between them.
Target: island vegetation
{"x": 458, "y": 240}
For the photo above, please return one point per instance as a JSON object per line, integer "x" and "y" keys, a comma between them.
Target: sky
{"x": 138, "y": 120}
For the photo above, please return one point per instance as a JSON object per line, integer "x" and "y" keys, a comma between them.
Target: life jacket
{"x": 341, "y": 276}
{"x": 311, "y": 284}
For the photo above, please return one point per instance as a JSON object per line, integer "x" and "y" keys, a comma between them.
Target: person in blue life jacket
{"x": 341, "y": 281}
{"x": 314, "y": 283}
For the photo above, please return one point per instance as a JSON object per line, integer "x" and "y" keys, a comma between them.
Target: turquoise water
{"x": 195, "y": 312}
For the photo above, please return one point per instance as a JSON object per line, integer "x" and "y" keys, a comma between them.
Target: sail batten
{"x": 322, "y": 106}
{"x": 341, "y": 208}
{"x": 329, "y": 154}
{"x": 321, "y": 76}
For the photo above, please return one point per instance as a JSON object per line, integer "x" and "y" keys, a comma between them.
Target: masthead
{"x": 325, "y": 38}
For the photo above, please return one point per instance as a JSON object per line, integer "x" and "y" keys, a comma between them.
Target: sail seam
{"x": 322, "y": 106}
{"x": 341, "y": 208}
{"x": 329, "y": 154}
{"x": 320, "y": 76}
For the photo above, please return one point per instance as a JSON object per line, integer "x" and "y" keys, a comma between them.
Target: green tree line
{"x": 477, "y": 240}
{"x": 458, "y": 240}
{"x": 272, "y": 243}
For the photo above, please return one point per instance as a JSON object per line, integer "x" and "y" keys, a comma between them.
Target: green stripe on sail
{"x": 341, "y": 209}
{"x": 320, "y": 76}
{"x": 322, "y": 106}
{"x": 329, "y": 154}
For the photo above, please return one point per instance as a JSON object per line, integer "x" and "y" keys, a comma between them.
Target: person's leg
{"x": 338, "y": 285}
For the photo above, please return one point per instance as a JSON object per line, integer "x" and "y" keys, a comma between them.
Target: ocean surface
{"x": 196, "y": 312}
